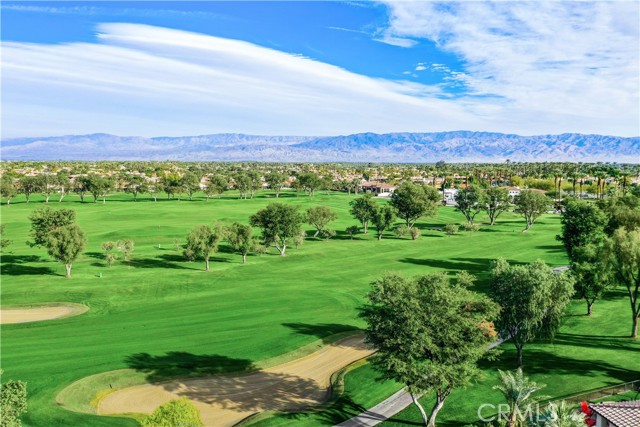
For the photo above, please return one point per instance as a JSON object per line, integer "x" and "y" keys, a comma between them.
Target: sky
{"x": 166, "y": 68}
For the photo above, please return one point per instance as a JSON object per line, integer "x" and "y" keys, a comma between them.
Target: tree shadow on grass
{"x": 474, "y": 265}
{"x": 14, "y": 265}
{"x": 163, "y": 261}
{"x": 322, "y": 330}
{"x": 343, "y": 409}
{"x": 177, "y": 364}
{"x": 541, "y": 362}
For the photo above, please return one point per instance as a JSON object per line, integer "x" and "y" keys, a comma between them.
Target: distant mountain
{"x": 458, "y": 146}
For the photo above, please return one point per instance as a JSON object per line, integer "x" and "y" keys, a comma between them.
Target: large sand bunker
{"x": 40, "y": 312}
{"x": 226, "y": 400}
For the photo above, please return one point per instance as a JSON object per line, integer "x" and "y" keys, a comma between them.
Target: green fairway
{"x": 168, "y": 316}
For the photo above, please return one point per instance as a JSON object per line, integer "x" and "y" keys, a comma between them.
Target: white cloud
{"x": 143, "y": 80}
{"x": 573, "y": 60}
{"x": 420, "y": 68}
{"x": 150, "y": 81}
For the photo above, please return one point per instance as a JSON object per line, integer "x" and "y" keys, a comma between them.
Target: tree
{"x": 383, "y": 217}
{"x": 352, "y": 230}
{"x": 190, "y": 183}
{"x": 531, "y": 205}
{"x": 310, "y": 182}
{"x": 363, "y": 209}
{"x": 172, "y": 185}
{"x": 216, "y": 186}
{"x": 99, "y": 186}
{"x": 429, "y": 333}
{"x": 7, "y": 188}
{"x": 45, "y": 219}
{"x": 255, "y": 182}
{"x": 178, "y": 412}
{"x": 109, "y": 255}
{"x": 126, "y": 246}
{"x": 561, "y": 414}
{"x": 62, "y": 183}
{"x": 592, "y": 277}
{"x": 3, "y": 242}
{"x": 276, "y": 181}
{"x": 623, "y": 260}
{"x": 136, "y": 184}
{"x": 243, "y": 184}
{"x": 81, "y": 186}
{"x": 279, "y": 223}
{"x": 65, "y": 243}
{"x": 532, "y": 299}
{"x": 518, "y": 391}
{"x": 413, "y": 201}
{"x": 582, "y": 224}
{"x": 240, "y": 238}
{"x": 46, "y": 184}
{"x": 470, "y": 201}
{"x": 28, "y": 186}
{"x": 496, "y": 202}
{"x": 13, "y": 402}
{"x": 202, "y": 242}
{"x": 320, "y": 217}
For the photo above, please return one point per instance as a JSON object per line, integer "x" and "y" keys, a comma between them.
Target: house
{"x": 450, "y": 196}
{"x": 612, "y": 414}
{"x": 381, "y": 189}
{"x": 513, "y": 191}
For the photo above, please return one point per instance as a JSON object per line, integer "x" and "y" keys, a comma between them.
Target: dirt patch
{"x": 226, "y": 400}
{"x": 10, "y": 315}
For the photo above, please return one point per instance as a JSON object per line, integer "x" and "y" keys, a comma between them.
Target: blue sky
{"x": 323, "y": 68}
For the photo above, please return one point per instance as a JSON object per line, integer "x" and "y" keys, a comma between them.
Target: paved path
{"x": 387, "y": 408}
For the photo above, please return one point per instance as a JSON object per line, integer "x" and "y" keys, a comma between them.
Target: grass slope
{"x": 168, "y": 317}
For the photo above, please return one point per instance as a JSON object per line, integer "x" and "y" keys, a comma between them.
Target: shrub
{"x": 402, "y": 231}
{"x": 327, "y": 234}
{"x": 415, "y": 233}
{"x": 178, "y": 412}
{"x": 471, "y": 227}
{"x": 13, "y": 402}
{"x": 451, "y": 229}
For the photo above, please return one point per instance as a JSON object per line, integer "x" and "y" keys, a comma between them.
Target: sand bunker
{"x": 226, "y": 400}
{"x": 38, "y": 313}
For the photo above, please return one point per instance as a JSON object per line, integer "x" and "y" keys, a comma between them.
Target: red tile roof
{"x": 620, "y": 414}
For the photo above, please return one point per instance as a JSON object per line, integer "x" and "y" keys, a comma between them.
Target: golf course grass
{"x": 167, "y": 318}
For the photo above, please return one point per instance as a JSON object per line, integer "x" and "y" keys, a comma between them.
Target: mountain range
{"x": 457, "y": 146}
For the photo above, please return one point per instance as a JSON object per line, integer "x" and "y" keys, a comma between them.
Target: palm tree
{"x": 563, "y": 415}
{"x": 518, "y": 391}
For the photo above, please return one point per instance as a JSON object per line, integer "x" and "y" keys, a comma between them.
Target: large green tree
{"x": 582, "y": 224}
{"x": 429, "y": 334}
{"x": 65, "y": 243}
{"x": 276, "y": 181}
{"x": 190, "y": 182}
{"x": 216, "y": 186}
{"x": 383, "y": 217}
{"x": 531, "y": 204}
{"x": 413, "y": 201}
{"x": 623, "y": 260}
{"x": 240, "y": 238}
{"x": 135, "y": 185}
{"x": 470, "y": 201}
{"x": 591, "y": 273}
{"x": 363, "y": 209}
{"x": 280, "y": 224}
{"x": 320, "y": 217}
{"x": 532, "y": 299}
{"x": 45, "y": 219}
{"x": 202, "y": 242}
{"x": 8, "y": 188}
{"x": 496, "y": 202}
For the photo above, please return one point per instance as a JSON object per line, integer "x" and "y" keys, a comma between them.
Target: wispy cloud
{"x": 147, "y": 80}
{"x": 107, "y": 11}
{"x": 571, "y": 61}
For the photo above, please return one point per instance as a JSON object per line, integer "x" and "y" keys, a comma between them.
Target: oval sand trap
{"x": 43, "y": 312}
{"x": 226, "y": 400}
